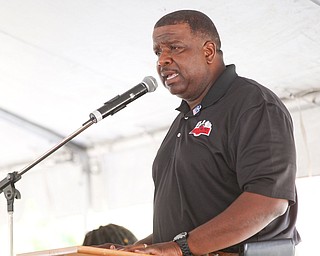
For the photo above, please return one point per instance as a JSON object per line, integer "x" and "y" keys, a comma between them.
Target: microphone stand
{"x": 7, "y": 184}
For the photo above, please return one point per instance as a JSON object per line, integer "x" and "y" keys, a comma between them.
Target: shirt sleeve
{"x": 264, "y": 151}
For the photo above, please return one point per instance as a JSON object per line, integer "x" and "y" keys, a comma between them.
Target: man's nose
{"x": 164, "y": 59}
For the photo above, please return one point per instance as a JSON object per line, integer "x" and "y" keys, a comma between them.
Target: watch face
{"x": 179, "y": 236}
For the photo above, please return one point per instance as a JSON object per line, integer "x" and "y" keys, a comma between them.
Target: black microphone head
{"x": 150, "y": 82}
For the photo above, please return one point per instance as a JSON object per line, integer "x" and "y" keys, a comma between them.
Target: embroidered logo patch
{"x": 202, "y": 128}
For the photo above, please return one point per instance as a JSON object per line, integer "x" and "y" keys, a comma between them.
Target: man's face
{"x": 181, "y": 64}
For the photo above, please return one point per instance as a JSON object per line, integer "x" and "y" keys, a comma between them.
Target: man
{"x": 225, "y": 172}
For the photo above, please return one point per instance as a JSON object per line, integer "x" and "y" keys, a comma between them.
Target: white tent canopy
{"x": 60, "y": 60}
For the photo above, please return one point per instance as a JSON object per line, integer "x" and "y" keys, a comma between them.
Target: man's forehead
{"x": 179, "y": 26}
{"x": 170, "y": 31}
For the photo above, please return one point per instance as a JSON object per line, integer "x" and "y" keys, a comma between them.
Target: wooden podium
{"x": 81, "y": 251}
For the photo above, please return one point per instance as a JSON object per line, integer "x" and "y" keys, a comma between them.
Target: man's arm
{"x": 246, "y": 216}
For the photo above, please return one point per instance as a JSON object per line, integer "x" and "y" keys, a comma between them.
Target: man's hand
{"x": 165, "y": 249}
{"x": 109, "y": 246}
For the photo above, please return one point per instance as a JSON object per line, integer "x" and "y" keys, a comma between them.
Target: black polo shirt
{"x": 239, "y": 139}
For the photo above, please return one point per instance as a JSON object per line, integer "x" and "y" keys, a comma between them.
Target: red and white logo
{"x": 202, "y": 128}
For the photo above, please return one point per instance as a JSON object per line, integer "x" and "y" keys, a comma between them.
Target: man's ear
{"x": 209, "y": 49}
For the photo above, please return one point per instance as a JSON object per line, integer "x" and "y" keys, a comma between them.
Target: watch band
{"x": 181, "y": 240}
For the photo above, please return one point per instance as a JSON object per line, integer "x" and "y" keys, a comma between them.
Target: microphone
{"x": 148, "y": 84}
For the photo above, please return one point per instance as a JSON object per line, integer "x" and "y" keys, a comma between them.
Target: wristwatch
{"x": 181, "y": 240}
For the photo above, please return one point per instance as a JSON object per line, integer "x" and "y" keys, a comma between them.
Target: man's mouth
{"x": 171, "y": 76}
{"x": 168, "y": 76}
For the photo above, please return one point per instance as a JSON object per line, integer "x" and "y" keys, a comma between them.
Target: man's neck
{"x": 218, "y": 71}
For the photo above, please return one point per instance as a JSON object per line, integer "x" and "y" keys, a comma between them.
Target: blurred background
{"x": 61, "y": 60}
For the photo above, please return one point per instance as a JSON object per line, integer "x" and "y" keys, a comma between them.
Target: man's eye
{"x": 157, "y": 53}
{"x": 176, "y": 48}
